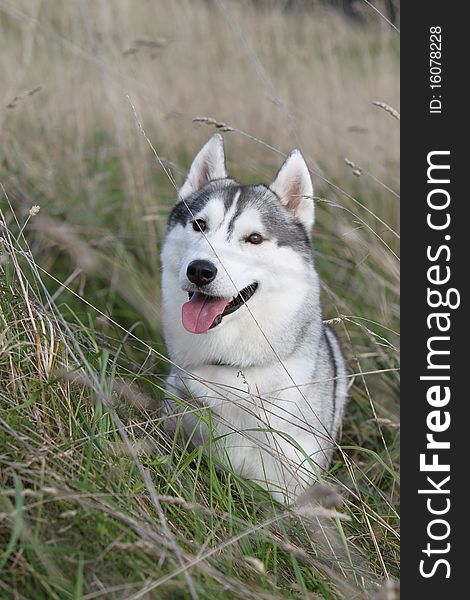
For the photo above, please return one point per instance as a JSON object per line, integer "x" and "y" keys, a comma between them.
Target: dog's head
{"x": 238, "y": 249}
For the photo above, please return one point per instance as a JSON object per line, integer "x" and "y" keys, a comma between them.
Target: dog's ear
{"x": 293, "y": 186}
{"x": 209, "y": 164}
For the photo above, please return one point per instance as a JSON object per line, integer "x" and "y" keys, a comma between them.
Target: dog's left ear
{"x": 209, "y": 164}
{"x": 293, "y": 186}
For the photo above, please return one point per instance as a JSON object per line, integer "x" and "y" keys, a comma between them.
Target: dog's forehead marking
{"x": 245, "y": 199}
{"x": 231, "y": 196}
{"x": 219, "y": 209}
{"x": 231, "y": 209}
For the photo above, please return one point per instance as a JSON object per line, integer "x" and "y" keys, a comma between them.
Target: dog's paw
{"x": 320, "y": 494}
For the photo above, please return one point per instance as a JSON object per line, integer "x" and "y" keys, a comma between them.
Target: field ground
{"x": 95, "y": 501}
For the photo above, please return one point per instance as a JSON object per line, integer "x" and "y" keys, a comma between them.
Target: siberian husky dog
{"x": 257, "y": 379}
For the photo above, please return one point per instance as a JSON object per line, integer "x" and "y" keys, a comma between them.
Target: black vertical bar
{"x": 435, "y": 568}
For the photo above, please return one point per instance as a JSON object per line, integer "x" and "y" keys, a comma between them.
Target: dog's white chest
{"x": 257, "y": 421}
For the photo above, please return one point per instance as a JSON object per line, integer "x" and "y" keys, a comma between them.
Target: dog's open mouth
{"x": 204, "y": 312}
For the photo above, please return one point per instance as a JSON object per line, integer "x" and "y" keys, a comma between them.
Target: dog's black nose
{"x": 201, "y": 272}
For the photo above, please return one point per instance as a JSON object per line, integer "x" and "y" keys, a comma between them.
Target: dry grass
{"x": 284, "y": 79}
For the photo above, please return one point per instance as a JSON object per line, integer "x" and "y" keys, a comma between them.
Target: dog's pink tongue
{"x": 201, "y": 311}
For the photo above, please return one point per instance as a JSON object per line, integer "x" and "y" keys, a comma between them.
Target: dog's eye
{"x": 199, "y": 225}
{"x": 254, "y": 238}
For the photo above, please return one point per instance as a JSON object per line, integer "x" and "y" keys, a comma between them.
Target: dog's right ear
{"x": 208, "y": 165}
